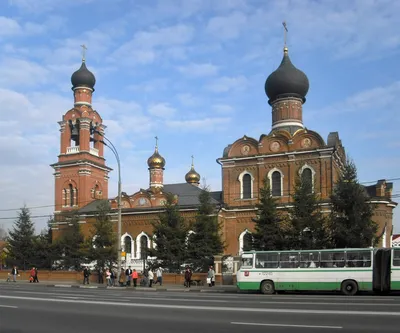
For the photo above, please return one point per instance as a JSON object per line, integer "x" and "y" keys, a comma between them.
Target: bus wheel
{"x": 267, "y": 287}
{"x": 349, "y": 287}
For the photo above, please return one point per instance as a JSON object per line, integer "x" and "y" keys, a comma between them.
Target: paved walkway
{"x": 165, "y": 287}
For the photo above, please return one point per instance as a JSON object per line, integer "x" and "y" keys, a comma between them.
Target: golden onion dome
{"x": 156, "y": 161}
{"x": 192, "y": 177}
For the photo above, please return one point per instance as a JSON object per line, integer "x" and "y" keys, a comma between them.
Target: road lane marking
{"x": 209, "y": 308}
{"x": 286, "y": 325}
{"x": 331, "y": 303}
{"x": 9, "y": 306}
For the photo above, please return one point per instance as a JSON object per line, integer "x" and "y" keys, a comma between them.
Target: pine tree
{"x": 20, "y": 240}
{"x": 351, "y": 219}
{"x": 307, "y": 226}
{"x": 71, "y": 245}
{"x": 205, "y": 241}
{"x": 170, "y": 234}
{"x": 103, "y": 247}
{"x": 43, "y": 250}
{"x": 267, "y": 235}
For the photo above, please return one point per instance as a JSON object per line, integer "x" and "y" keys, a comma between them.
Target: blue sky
{"x": 191, "y": 72}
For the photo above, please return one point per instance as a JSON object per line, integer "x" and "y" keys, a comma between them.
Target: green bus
{"x": 345, "y": 270}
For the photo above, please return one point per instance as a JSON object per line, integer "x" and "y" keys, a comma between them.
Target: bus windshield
{"x": 247, "y": 260}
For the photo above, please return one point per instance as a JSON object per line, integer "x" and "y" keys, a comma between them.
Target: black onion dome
{"x": 286, "y": 81}
{"x": 83, "y": 78}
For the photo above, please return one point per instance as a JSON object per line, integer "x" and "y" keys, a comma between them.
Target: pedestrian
{"x": 35, "y": 275}
{"x": 211, "y": 277}
{"x": 134, "y": 277}
{"x": 100, "y": 273}
{"x": 14, "y": 273}
{"x": 159, "y": 275}
{"x": 86, "y": 274}
{"x": 128, "y": 274}
{"x": 188, "y": 276}
{"x": 108, "y": 278}
{"x": 145, "y": 278}
{"x": 151, "y": 277}
{"x": 122, "y": 278}
{"x": 32, "y": 275}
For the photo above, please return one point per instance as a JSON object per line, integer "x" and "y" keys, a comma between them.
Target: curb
{"x": 143, "y": 289}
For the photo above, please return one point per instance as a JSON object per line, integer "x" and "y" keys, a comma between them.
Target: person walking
{"x": 86, "y": 274}
{"x": 128, "y": 274}
{"x": 135, "y": 276}
{"x": 100, "y": 275}
{"x": 159, "y": 275}
{"x": 211, "y": 277}
{"x": 35, "y": 275}
{"x": 108, "y": 278}
{"x": 188, "y": 277}
{"x": 151, "y": 277}
{"x": 122, "y": 278}
{"x": 14, "y": 273}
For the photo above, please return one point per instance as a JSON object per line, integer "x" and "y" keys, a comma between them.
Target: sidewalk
{"x": 167, "y": 287}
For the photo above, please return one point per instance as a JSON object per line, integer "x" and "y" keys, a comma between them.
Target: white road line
{"x": 331, "y": 303}
{"x": 286, "y": 325}
{"x": 9, "y": 306}
{"x": 210, "y": 308}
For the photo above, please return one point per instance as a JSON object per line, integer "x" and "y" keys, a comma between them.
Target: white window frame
{"x": 240, "y": 178}
{"x": 306, "y": 166}
{"x": 241, "y": 240}
{"x": 139, "y": 244}
{"x": 270, "y": 179}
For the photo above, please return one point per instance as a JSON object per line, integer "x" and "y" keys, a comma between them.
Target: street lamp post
{"x": 110, "y": 145}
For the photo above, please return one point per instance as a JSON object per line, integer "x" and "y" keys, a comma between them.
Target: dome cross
{"x": 84, "y": 49}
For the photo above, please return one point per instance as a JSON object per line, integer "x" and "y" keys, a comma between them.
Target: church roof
{"x": 188, "y": 196}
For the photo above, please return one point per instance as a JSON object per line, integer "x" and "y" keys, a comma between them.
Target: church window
{"x": 246, "y": 186}
{"x": 307, "y": 177}
{"x": 276, "y": 184}
{"x": 247, "y": 242}
{"x": 71, "y": 195}
{"x": 143, "y": 247}
{"x": 128, "y": 244}
{"x": 65, "y": 197}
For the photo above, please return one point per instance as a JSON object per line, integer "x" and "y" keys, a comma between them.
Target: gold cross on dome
{"x": 192, "y": 160}
{"x": 156, "y": 141}
{"x": 285, "y": 31}
{"x": 84, "y": 48}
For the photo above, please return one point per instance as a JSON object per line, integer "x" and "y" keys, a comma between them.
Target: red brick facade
{"x": 287, "y": 152}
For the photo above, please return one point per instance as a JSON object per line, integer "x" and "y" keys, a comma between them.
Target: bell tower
{"x": 81, "y": 174}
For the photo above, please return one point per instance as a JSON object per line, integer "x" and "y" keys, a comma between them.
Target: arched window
{"x": 65, "y": 197}
{"x": 128, "y": 244}
{"x": 246, "y": 180}
{"x": 247, "y": 242}
{"x": 143, "y": 247}
{"x": 276, "y": 184}
{"x": 306, "y": 177}
{"x": 71, "y": 195}
{"x": 246, "y": 186}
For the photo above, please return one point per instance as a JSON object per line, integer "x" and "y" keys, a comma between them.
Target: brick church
{"x": 289, "y": 150}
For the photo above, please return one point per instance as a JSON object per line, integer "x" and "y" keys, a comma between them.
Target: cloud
{"x": 198, "y": 70}
{"x": 18, "y": 72}
{"x": 162, "y": 110}
{"x": 187, "y": 99}
{"x": 45, "y": 5}
{"x": 226, "y": 83}
{"x": 222, "y": 108}
{"x": 202, "y": 125}
{"x": 9, "y": 27}
{"x": 227, "y": 27}
{"x": 145, "y": 46}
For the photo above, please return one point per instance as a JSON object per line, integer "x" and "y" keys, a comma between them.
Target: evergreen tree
{"x": 103, "y": 240}
{"x": 20, "y": 240}
{"x": 170, "y": 234}
{"x": 205, "y": 241}
{"x": 351, "y": 220}
{"x": 71, "y": 244}
{"x": 307, "y": 226}
{"x": 267, "y": 235}
{"x": 43, "y": 251}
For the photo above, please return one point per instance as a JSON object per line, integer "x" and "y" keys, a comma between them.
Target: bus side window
{"x": 358, "y": 259}
{"x": 267, "y": 260}
{"x": 332, "y": 259}
{"x": 309, "y": 260}
{"x": 396, "y": 257}
{"x": 289, "y": 260}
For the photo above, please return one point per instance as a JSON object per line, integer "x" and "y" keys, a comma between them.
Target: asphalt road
{"x": 28, "y": 308}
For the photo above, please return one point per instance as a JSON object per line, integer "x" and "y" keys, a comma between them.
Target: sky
{"x": 191, "y": 72}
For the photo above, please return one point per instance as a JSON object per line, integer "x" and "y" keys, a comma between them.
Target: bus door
{"x": 382, "y": 270}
